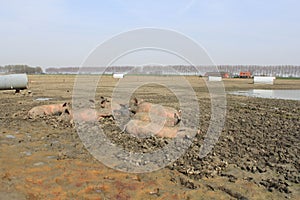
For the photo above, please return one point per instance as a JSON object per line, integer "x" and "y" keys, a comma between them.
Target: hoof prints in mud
{"x": 233, "y": 194}
{"x": 261, "y": 138}
{"x": 273, "y": 184}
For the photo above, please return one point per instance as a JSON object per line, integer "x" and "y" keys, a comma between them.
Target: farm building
{"x": 245, "y": 74}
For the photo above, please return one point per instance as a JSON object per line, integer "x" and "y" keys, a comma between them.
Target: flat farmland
{"x": 257, "y": 156}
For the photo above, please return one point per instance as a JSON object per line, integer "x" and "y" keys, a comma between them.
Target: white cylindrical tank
{"x": 13, "y": 82}
{"x": 264, "y": 80}
{"x": 214, "y": 78}
{"x": 118, "y": 75}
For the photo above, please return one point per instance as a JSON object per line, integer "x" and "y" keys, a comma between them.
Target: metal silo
{"x": 13, "y": 82}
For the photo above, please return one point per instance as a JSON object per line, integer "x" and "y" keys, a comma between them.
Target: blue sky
{"x": 63, "y": 32}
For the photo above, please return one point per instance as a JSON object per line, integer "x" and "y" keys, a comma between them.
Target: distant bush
{"x": 20, "y": 69}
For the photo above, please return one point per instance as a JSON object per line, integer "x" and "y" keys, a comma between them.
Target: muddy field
{"x": 256, "y": 157}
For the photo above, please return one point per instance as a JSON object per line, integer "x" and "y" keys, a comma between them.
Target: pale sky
{"x": 63, "y": 32}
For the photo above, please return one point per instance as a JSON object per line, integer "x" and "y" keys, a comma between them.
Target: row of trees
{"x": 280, "y": 71}
{"x": 20, "y": 69}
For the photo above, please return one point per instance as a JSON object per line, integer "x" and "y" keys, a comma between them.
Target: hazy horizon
{"x": 62, "y": 33}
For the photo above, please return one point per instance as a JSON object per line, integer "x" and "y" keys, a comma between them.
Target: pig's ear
{"x": 103, "y": 99}
{"x": 103, "y": 103}
{"x": 179, "y": 113}
{"x": 136, "y": 101}
{"x": 65, "y": 104}
{"x": 67, "y": 111}
{"x": 177, "y": 117}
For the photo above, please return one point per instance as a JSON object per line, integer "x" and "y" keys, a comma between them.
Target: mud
{"x": 256, "y": 157}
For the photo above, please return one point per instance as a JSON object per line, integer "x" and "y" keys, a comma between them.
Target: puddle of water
{"x": 43, "y": 99}
{"x": 270, "y": 94}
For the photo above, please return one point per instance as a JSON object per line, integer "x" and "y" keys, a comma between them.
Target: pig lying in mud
{"x": 89, "y": 115}
{"x": 103, "y": 109}
{"x": 143, "y": 129}
{"x": 160, "y": 118}
{"x": 47, "y": 110}
{"x": 146, "y": 118}
{"x": 153, "y": 119}
{"x": 140, "y": 118}
{"x": 145, "y": 111}
{"x": 64, "y": 111}
{"x": 107, "y": 106}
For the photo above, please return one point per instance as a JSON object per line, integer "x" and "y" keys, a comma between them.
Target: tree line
{"x": 20, "y": 69}
{"x": 233, "y": 70}
{"x": 263, "y": 70}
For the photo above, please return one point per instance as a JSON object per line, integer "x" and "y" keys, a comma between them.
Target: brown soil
{"x": 256, "y": 157}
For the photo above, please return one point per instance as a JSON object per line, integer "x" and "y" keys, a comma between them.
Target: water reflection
{"x": 271, "y": 94}
{"x": 43, "y": 99}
